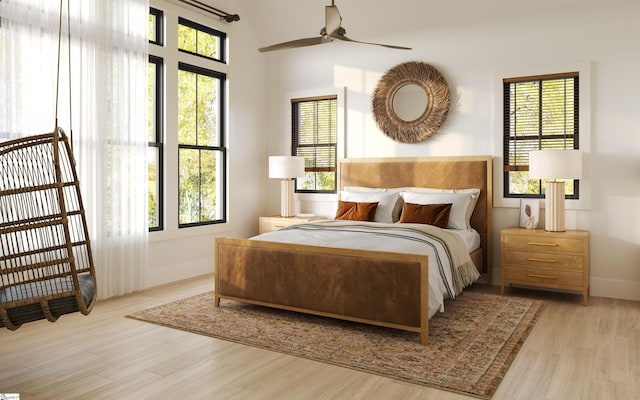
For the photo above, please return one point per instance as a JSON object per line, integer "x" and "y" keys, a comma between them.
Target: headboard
{"x": 461, "y": 172}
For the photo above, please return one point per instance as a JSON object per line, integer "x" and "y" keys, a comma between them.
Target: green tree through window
{"x": 201, "y": 152}
{"x": 200, "y": 40}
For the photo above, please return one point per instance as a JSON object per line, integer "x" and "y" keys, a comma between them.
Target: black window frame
{"x": 214, "y": 32}
{"x": 310, "y": 166}
{"x": 510, "y": 139}
{"x": 159, "y": 26}
{"x": 159, "y": 136}
{"x": 220, "y": 148}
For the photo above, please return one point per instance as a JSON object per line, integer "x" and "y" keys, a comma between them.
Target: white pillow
{"x": 386, "y": 203}
{"x": 462, "y": 205}
{"x": 475, "y": 195}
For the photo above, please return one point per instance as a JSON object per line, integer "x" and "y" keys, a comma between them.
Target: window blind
{"x": 314, "y": 137}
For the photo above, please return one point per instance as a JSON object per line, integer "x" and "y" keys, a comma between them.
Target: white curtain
{"x": 108, "y": 114}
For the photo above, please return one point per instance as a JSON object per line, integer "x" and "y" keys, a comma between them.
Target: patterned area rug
{"x": 471, "y": 345}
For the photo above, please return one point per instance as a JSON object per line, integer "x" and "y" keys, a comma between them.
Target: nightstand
{"x": 270, "y": 224}
{"x": 557, "y": 260}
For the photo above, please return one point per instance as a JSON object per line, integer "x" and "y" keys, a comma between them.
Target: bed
{"x": 380, "y": 287}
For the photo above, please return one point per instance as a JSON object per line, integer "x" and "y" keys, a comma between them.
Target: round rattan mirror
{"x": 411, "y": 102}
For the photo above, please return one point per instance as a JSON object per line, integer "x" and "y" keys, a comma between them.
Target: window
{"x": 187, "y": 157}
{"x": 155, "y": 137}
{"x": 155, "y": 131}
{"x": 200, "y": 40}
{"x": 201, "y": 151}
{"x": 540, "y": 112}
{"x": 314, "y": 137}
{"x": 156, "y": 24}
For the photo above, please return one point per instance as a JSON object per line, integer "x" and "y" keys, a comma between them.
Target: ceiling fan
{"x": 331, "y": 31}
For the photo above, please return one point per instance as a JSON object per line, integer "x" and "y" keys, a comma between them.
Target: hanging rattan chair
{"x": 46, "y": 264}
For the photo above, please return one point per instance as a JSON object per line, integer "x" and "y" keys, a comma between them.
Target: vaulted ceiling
{"x": 370, "y": 20}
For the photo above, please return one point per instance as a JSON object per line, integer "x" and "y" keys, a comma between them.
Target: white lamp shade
{"x": 555, "y": 164}
{"x": 286, "y": 167}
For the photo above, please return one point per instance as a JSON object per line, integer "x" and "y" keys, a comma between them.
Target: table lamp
{"x": 554, "y": 165}
{"x": 286, "y": 168}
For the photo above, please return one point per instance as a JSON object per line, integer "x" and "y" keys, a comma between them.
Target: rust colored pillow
{"x": 352, "y": 211}
{"x": 431, "y": 214}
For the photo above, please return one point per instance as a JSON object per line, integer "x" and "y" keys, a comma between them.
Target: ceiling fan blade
{"x": 295, "y": 43}
{"x": 331, "y": 31}
{"x": 340, "y": 36}
{"x": 332, "y": 19}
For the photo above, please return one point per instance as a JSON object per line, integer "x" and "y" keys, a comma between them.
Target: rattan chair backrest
{"x": 44, "y": 240}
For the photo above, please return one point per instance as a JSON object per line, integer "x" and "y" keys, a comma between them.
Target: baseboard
{"x": 156, "y": 276}
{"x": 617, "y": 289}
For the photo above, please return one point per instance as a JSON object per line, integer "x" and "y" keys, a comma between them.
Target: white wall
{"x": 176, "y": 254}
{"x": 469, "y": 55}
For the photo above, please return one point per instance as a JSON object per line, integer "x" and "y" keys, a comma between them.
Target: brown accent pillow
{"x": 352, "y": 211}
{"x": 431, "y": 214}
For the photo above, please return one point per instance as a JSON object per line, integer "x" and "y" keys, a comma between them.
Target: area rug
{"x": 471, "y": 344}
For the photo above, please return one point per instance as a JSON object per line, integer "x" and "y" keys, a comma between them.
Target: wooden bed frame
{"x": 373, "y": 287}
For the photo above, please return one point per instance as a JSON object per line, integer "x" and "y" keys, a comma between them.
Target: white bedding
{"x": 450, "y": 267}
{"x": 470, "y": 237}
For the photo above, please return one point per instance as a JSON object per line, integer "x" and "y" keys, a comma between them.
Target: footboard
{"x": 379, "y": 288}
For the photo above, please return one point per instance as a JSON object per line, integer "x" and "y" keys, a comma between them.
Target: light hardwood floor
{"x": 574, "y": 352}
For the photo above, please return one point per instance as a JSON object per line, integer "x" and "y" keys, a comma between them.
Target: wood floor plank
{"x": 573, "y": 352}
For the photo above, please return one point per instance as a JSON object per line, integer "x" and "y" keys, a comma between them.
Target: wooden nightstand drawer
{"x": 544, "y": 244}
{"x": 544, "y": 260}
{"x": 544, "y": 277}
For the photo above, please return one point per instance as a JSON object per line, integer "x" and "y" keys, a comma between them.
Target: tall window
{"x": 540, "y": 113}
{"x": 201, "y": 140}
{"x": 155, "y": 132}
{"x": 314, "y": 137}
{"x": 193, "y": 70}
{"x": 201, "y": 153}
{"x": 155, "y": 137}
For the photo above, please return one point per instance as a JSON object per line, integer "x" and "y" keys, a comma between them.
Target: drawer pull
{"x": 542, "y": 244}
{"x": 279, "y": 226}
{"x": 541, "y": 276}
{"x": 542, "y": 260}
